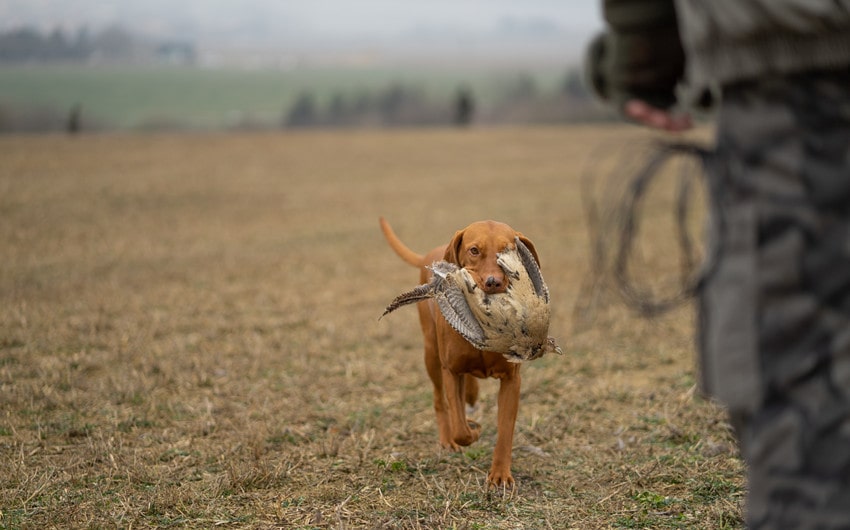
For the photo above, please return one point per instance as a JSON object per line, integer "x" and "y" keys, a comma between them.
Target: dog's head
{"x": 475, "y": 248}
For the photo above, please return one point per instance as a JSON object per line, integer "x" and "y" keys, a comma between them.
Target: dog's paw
{"x": 470, "y": 436}
{"x": 501, "y": 480}
{"x": 449, "y": 445}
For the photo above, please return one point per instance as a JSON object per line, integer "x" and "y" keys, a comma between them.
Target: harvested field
{"x": 189, "y": 338}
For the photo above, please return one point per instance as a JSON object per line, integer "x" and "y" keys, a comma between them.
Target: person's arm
{"x": 638, "y": 62}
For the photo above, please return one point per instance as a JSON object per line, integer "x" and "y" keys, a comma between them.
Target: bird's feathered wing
{"x": 444, "y": 289}
{"x": 514, "y": 323}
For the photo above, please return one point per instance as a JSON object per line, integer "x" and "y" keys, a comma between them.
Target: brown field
{"x": 189, "y": 338}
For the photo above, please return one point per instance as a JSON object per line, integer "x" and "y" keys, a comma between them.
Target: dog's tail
{"x": 400, "y": 248}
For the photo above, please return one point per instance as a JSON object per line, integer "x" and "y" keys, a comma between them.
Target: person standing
{"x": 464, "y": 107}
{"x": 774, "y": 314}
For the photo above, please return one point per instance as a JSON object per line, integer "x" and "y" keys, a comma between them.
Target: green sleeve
{"x": 640, "y": 56}
{"x": 624, "y": 16}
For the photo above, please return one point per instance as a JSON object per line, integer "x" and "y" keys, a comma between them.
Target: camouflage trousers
{"x": 775, "y": 312}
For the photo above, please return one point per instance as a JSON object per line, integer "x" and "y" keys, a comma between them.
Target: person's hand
{"x": 645, "y": 114}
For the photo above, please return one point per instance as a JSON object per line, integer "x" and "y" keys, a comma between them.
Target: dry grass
{"x": 189, "y": 339}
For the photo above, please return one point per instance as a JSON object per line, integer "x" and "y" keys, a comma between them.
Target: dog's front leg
{"x": 464, "y": 432}
{"x": 500, "y": 470}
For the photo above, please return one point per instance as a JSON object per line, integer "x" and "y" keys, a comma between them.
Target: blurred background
{"x": 264, "y": 64}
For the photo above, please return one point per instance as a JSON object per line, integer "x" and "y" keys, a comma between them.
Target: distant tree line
{"x": 515, "y": 100}
{"x": 395, "y": 105}
{"x": 398, "y": 104}
{"x": 25, "y": 45}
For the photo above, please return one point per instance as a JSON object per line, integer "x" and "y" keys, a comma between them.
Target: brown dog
{"x": 451, "y": 361}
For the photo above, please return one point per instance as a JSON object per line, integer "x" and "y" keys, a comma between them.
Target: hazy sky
{"x": 506, "y": 31}
{"x": 299, "y": 17}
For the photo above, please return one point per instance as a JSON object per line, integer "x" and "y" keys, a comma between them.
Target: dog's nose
{"x": 493, "y": 284}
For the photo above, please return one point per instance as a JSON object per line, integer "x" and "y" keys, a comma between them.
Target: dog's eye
{"x": 474, "y": 251}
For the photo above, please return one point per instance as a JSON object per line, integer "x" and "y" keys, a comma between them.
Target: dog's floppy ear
{"x": 527, "y": 242}
{"x": 452, "y": 254}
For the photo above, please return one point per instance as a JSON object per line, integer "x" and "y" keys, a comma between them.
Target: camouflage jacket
{"x": 734, "y": 40}
{"x": 654, "y": 45}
